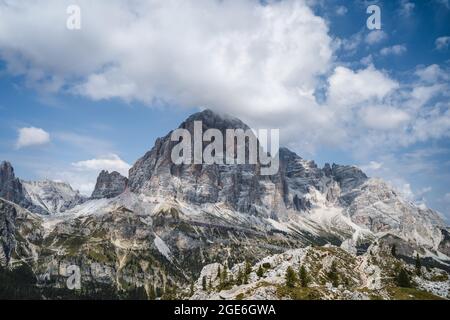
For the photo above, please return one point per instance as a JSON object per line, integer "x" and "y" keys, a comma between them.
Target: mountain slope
{"x": 158, "y": 229}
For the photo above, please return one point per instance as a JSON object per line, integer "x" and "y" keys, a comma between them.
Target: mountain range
{"x": 222, "y": 232}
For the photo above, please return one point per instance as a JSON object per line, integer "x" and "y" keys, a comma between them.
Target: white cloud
{"x": 431, "y": 74}
{"x": 32, "y": 136}
{"x": 239, "y": 56}
{"x": 89, "y": 144}
{"x": 110, "y": 163}
{"x": 341, "y": 11}
{"x": 372, "y": 166}
{"x": 348, "y": 87}
{"x": 442, "y": 43}
{"x": 397, "y": 50}
{"x": 265, "y": 63}
{"x": 383, "y": 118}
{"x": 375, "y": 37}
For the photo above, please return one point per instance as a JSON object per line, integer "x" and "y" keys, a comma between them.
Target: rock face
{"x": 20, "y": 233}
{"x": 54, "y": 197}
{"x": 10, "y": 187}
{"x": 299, "y": 189}
{"x": 7, "y": 229}
{"x": 109, "y": 185}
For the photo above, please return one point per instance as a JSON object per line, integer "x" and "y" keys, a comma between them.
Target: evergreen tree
{"x": 418, "y": 266}
{"x": 394, "y": 250}
{"x": 245, "y": 279}
{"x": 240, "y": 277}
{"x": 403, "y": 279}
{"x": 248, "y": 267}
{"x": 303, "y": 276}
{"x": 224, "y": 278}
{"x": 260, "y": 271}
{"x": 192, "y": 288}
{"x": 204, "y": 283}
{"x": 218, "y": 273}
{"x": 291, "y": 278}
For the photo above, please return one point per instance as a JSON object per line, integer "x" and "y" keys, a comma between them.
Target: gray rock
{"x": 10, "y": 186}
{"x": 109, "y": 185}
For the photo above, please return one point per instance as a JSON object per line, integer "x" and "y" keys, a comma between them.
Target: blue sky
{"x": 100, "y": 96}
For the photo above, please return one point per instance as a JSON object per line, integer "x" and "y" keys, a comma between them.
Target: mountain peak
{"x": 109, "y": 185}
{"x": 6, "y": 168}
{"x": 10, "y": 186}
{"x": 212, "y": 119}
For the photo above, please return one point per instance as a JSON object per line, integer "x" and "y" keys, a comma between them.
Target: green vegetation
{"x": 394, "y": 250}
{"x": 411, "y": 294}
{"x": 298, "y": 293}
{"x": 19, "y": 283}
{"x": 418, "y": 266}
{"x": 247, "y": 271}
{"x": 333, "y": 275}
{"x": 303, "y": 277}
{"x": 403, "y": 279}
{"x": 291, "y": 277}
{"x": 204, "y": 283}
{"x": 240, "y": 296}
{"x": 240, "y": 277}
{"x": 260, "y": 272}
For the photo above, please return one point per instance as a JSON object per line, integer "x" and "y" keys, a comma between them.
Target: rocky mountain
{"x": 10, "y": 187}
{"x": 160, "y": 229}
{"x": 53, "y": 197}
{"x": 109, "y": 185}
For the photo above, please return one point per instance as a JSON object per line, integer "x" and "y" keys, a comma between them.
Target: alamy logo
{"x": 238, "y": 143}
{"x": 74, "y": 19}
{"x": 74, "y": 280}
{"x": 374, "y": 20}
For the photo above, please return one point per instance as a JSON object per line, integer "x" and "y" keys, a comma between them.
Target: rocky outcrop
{"x": 10, "y": 187}
{"x": 328, "y": 273}
{"x": 7, "y": 229}
{"x": 109, "y": 185}
{"x": 21, "y": 233}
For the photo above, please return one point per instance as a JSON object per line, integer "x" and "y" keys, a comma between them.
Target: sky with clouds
{"x": 74, "y": 102}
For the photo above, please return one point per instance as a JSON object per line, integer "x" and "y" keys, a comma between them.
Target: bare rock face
{"x": 20, "y": 232}
{"x": 7, "y": 227}
{"x": 299, "y": 188}
{"x": 54, "y": 197}
{"x": 109, "y": 185}
{"x": 240, "y": 187}
{"x": 10, "y": 186}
